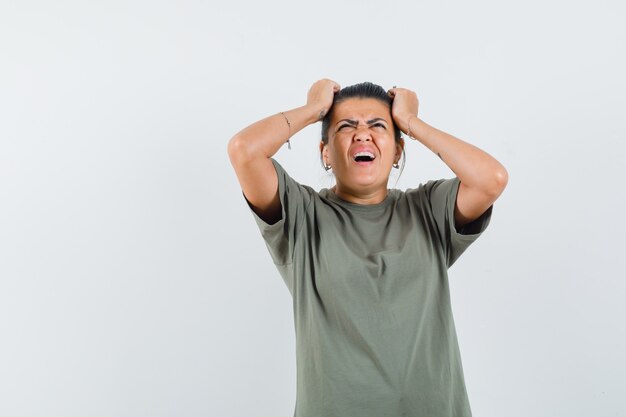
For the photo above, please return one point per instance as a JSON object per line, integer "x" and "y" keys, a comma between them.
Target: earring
{"x": 396, "y": 165}
{"x": 326, "y": 167}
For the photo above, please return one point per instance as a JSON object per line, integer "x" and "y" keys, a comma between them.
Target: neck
{"x": 365, "y": 198}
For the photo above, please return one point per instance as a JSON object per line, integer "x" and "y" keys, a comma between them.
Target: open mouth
{"x": 363, "y": 158}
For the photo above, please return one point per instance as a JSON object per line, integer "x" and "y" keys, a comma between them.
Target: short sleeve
{"x": 441, "y": 195}
{"x": 280, "y": 237}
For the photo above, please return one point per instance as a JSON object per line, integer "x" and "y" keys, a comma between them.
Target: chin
{"x": 365, "y": 181}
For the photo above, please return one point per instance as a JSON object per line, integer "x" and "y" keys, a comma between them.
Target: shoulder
{"x": 288, "y": 184}
{"x": 434, "y": 187}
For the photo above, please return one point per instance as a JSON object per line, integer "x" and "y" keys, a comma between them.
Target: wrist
{"x": 315, "y": 112}
{"x": 407, "y": 124}
{"x": 419, "y": 128}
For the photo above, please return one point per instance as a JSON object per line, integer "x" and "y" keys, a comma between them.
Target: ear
{"x": 399, "y": 148}
{"x": 323, "y": 149}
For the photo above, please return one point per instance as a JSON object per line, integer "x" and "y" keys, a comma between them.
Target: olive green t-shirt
{"x": 375, "y": 334}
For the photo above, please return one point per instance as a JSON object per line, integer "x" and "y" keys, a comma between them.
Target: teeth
{"x": 366, "y": 153}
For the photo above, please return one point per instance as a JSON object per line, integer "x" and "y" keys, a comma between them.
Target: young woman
{"x": 366, "y": 265}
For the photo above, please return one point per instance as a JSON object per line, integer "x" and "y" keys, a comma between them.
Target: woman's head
{"x": 360, "y": 120}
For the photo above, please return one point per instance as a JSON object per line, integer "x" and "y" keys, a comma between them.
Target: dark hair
{"x": 361, "y": 90}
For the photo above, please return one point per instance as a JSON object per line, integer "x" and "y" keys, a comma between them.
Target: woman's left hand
{"x": 405, "y": 104}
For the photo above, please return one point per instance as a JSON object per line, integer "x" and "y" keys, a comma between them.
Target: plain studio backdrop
{"x": 133, "y": 279}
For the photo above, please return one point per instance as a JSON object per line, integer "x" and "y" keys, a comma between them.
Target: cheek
{"x": 339, "y": 147}
{"x": 388, "y": 148}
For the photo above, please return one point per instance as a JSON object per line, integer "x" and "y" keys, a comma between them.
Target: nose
{"x": 362, "y": 135}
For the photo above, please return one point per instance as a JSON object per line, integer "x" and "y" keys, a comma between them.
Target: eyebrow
{"x": 354, "y": 122}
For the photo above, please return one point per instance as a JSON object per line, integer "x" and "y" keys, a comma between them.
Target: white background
{"x": 133, "y": 279}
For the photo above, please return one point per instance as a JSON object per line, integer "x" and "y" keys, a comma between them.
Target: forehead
{"x": 361, "y": 109}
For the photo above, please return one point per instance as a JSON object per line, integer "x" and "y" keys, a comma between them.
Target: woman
{"x": 367, "y": 266}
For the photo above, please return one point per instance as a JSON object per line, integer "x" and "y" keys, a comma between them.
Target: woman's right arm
{"x": 250, "y": 150}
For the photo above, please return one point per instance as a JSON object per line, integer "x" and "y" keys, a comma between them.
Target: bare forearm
{"x": 473, "y": 166}
{"x": 266, "y": 136}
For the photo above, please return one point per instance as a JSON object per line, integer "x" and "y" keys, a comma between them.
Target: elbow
{"x": 501, "y": 179}
{"x": 238, "y": 149}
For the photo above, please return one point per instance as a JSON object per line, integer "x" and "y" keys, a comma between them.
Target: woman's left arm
{"x": 482, "y": 177}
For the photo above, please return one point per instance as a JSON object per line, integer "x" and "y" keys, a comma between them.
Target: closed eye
{"x": 375, "y": 124}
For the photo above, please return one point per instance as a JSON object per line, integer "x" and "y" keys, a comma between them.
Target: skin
{"x": 482, "y": 177}
{"x": 355, "y": 183}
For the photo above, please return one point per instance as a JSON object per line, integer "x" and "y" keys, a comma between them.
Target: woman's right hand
{"x": 321, "y": 95}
